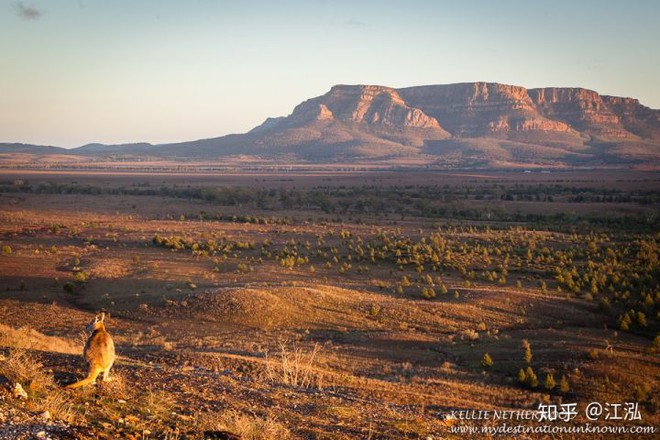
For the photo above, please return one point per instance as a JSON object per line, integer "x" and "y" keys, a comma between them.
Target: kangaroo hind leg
{"x": 106, "y": 374}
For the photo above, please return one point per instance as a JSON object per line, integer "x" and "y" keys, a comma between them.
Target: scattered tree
{"x": 527, "y": 351}
{"x": 549, "y": 382}
{"x": 486, "y": 361}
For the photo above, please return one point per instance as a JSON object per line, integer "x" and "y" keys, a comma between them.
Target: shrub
{"x": 25, "y": 368}
{"x": 563, "y": 384}
{"x": 428, "y": 293}
{"x": 527, "y": 351}
{"x": 247, "y": 426}
{"x": 640, "y": 392}
{"x": 655, "y": 345}
{"x": 6, "y": 250}
{"x": 81, "y": 277}
{"x": 530, "y": 378}
{"x": 470, "y": 335}
{"x": 486, "y": 361}
{"x": 549, "y": 383}
{"x": 294, "y": 367}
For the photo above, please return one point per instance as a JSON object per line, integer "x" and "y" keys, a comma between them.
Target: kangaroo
{"x": 99, "y": 353}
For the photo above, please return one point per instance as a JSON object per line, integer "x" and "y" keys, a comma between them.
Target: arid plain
{"x": 326, "y": 304}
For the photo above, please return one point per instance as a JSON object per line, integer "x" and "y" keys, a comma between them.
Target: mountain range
{"x": 456, "y": 125}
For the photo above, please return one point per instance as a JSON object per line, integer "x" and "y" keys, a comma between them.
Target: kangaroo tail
{"x": 91, "y": 377}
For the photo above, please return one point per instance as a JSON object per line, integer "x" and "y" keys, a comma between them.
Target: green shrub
{"x": 530, "y": 378}
{"x": 549, "y": 383}
{"x": 486, "y": 361}
{"x": 563, "y": 384}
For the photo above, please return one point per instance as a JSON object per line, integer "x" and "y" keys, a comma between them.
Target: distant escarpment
{"x": 456, "y": 125}
{"x": 468, "y": 124}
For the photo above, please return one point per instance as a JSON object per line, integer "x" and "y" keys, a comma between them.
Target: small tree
{"x": 655, "y": 345}
{"x": 549, "y": 383}
{"x": 428, "y": 292}
{"x": 81, "y": 277}
{"x": 563, "y": 384}
{"x": 641, "y": 319}
{"x": 527, "y": 351}
{"x": 530, "y": 378}
{"x": 486, "y": 361}
{"x": 522, "y": 377}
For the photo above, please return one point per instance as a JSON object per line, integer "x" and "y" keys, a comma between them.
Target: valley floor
{"x": 329, "y": 308}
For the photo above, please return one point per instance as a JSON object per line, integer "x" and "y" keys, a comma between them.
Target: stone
{"x": 19, "y": 391}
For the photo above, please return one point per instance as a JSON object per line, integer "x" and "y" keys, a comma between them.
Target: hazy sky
{"x": 114, "y": 71}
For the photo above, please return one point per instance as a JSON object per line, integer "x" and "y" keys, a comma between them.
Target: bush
{"x": 6, "y": 250}
{"x": 295, "y": 367}
{"x": 470, "y": 335}
{"x": 563, "y": 384}
{"x": 247, "y": 426}
{"x": 25, "y": 368}
{"x": 81, "y": 277}
{"x": 428, "y": 293}
{"x": 486, "y": 361}
{"x": 549, "y": 383}
{"x": 527, "y": 351}
{"x": 530, "y": 378}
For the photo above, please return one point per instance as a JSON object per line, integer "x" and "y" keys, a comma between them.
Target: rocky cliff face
{"x": 468, "y": 124}
{"x": 372, "y": 105}
{"x": 584, "y": 110}
{"x": 636, "y": 118}
{"x": 481, "y": 109}
{"x": 467, "y": 110}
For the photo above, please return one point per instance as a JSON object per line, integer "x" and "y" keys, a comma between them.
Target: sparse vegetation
{"x": 549, "y": 382}
{"x": 25, "y": 368}
{"x": 295, "y": 366}
{"x": 527, "y": 351}
{"x": 419, "y": 291}
{"x": 486, "y": 361}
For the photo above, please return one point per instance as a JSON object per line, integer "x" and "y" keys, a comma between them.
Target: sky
{"x": 119, "y": 71}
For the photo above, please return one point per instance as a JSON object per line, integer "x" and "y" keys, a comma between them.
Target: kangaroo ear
{"x": 100, "y": 317}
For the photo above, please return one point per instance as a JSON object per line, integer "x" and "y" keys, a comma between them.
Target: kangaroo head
{"x": 97, "y": 322}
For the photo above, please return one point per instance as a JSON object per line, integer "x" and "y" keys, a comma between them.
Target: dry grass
{"x": 28, "y": 338}
{"x": 117, "y": 388}
{"x": 25, "y": 368}
{"x": 157, "y": 404}
{"x": 388, "y": 364}
{"x": 294, "y": 366}
{"x": 249, "y": 427}
{"x": 60, "y": 406}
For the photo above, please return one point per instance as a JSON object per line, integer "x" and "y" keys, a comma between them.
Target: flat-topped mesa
{"x": 449, "y": 125}
{"x": 460, "y": 96}
{"x": 482, "y": 109}
{"x": 623, "y": 102}
{"x": 374, "y": 105}
{"x": 478, "y": 109}
{"x": 554, "y": 95}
